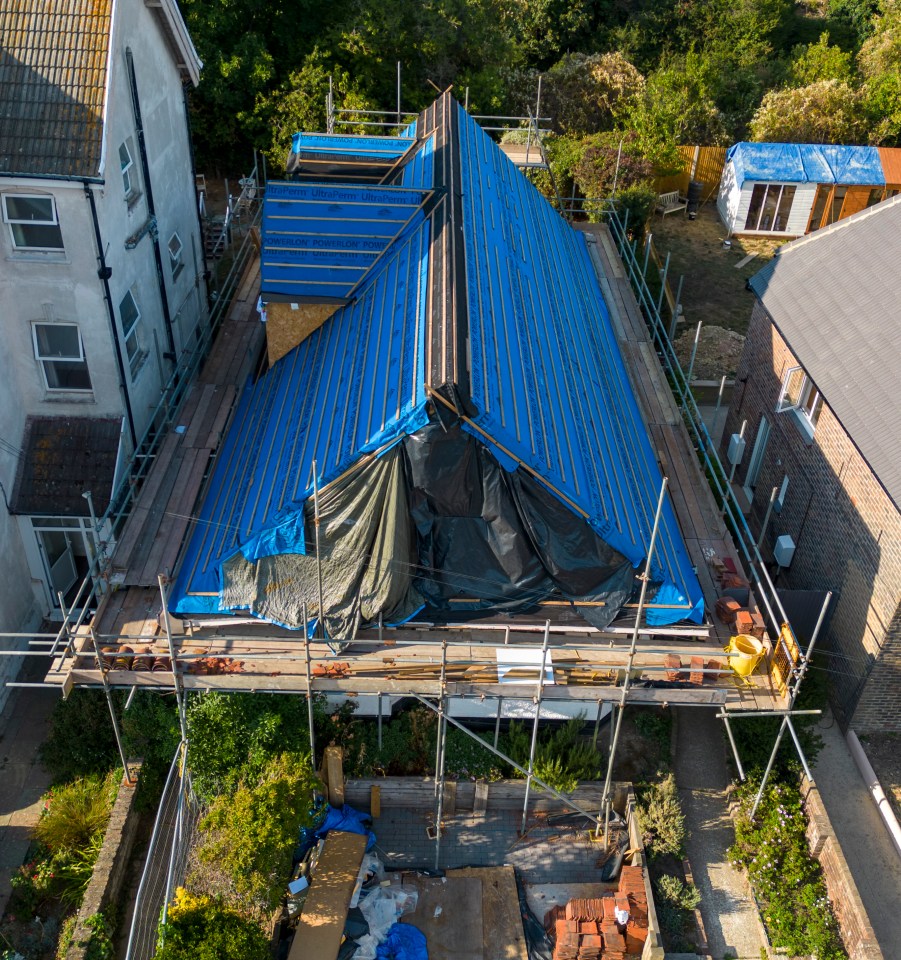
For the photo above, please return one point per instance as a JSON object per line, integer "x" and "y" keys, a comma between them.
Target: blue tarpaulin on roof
{"x": 351, "y": 145}
{"x": 806, "y": 163}
{"x": 549, "y": 390}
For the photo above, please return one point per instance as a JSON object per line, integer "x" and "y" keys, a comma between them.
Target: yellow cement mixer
{"x": 749, "y": 652}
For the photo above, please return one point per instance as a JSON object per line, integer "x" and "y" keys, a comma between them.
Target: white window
{"x": 800, "y": 395}
{"x": 127, "y": 167}
{"x": 60, "y": 351}
{"x": 130, "y": 316}
{"x": 175, "y": 251}
{"x": 32, "y": 221}
{"x": 770, "y": 207}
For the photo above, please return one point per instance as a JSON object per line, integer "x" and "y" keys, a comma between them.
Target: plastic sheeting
{"x": 404, "y": 942}
{"x": 806, "y": 163}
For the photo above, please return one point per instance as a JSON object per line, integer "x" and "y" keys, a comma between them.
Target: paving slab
{"x": 702, "y": 776}
{"x": 872, "y": 859}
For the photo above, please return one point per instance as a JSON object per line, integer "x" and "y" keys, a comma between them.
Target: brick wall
{"x": 109, "y": 870}
{"x": 846, "y": 529}
{"x": 857, "y": 932}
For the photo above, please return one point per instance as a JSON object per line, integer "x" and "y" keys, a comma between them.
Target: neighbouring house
{"x": 447, "y": 421}
{"x": 789, "y": 189}
{"x": 817, "y": 385}
{"x": 102, "y": 288}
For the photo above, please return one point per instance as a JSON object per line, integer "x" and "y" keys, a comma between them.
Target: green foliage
{"x": 585, "y": 94}
{"x": 204, "y": 928}
{"x": 820, "y": 61}
{"x": 234, "y": 736}
{"x": 656, "y": 725}
{"x": 562, "y": 758}
{"x": 661, "y": 818}
{"x": 827, "y": 111}
{"x": 65, "y": 936}
{"x": 675, "y": 901}
{"x": 100, "y": 938}
{"x": 787, "y": 881}
{"x": 247, "y": 838}
{"x": 639, "y": 201}
{"x": 607, "y": 156}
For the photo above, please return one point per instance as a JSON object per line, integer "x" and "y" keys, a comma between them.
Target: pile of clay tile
{"x": 586, "y": 929}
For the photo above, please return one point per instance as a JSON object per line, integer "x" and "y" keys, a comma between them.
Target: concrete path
{"x": 872, "y": 858}
{"x": 730, "y": 918}
{"x": 24, "y": 724}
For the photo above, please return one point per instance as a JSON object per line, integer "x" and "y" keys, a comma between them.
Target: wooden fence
{"x": 697, "y": 163}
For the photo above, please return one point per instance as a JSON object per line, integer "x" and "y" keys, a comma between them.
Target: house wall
{"x": 65, "y": 286}
{"x": 728, "y": 197}
{"x": 797, "y": 219}
{"x": 846, "y": 529}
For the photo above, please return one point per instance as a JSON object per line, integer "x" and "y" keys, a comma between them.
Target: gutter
{"x": 151, "y": 210}
{"x": 104, "y": 273}
{"x": 876, "y": 792}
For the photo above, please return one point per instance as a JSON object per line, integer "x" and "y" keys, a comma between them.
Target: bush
{"x": 786, "y": 879}
{"x": 204, "y": 928}
{"x": 675, "y": 902}
{"x": 247, "y": 838}
{"x": 661, "y": 818}
{"x": 77, "y": 812}
{"x": 562, "y": 758}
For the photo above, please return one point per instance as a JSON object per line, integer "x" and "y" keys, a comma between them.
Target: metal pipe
{"x": 179, "y": 691}
{"x": 677, "y": 308}
{"x": 647, "y": 254}
{"x": 794, "y": 736}
{"x": 769, "y": 767}
{"x": 663, "y": 277}
{"x": 441, "y": 681}
{"x": 398, "y": 94}
{"x": 439, "y": 770}
{"x": 318, "y": 550}
{"x": 741, "y": 771}
{"x": 154, "y": 835}
{"x": 597, "y": 725}
{"x": 732, "y": 714}
{"x": 719, "y": 401}
{"x": 509, "y": 760}
{"x": 691, "y": 363}
{"x": 497, "y": 721}
{"x": 766, "y": 516}
{"x": 534, "y": 744}
{"x": 306, "y": 640}
{"x": 645, "y": 578}
{"x": 112, "y": 709}
{"x": 380, "y": 720}
{"x": 741, "y": 434}
{"x": 171, "y": 871}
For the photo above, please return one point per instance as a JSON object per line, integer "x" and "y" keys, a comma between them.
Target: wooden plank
{"x": 503, "y": 936}
{"x": 375, "y": 801}
{"x": 449, "y": 807}
{"x": 224, "y": 409}
{"x": 480, "y": 804}
{"x": 203, "y": 395}
{"x": 181, "y": 515}
{"x": 334, "y": 763}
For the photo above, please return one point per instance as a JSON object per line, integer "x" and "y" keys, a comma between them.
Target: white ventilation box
{"x": 736, "y": 449}
{"x": 784, "y": 551}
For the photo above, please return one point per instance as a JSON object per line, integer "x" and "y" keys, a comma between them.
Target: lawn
{"x": 714, "y": 287}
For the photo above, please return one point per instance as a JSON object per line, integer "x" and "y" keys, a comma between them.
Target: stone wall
{"x": 857, "y": 932}
{"x": 109, "y": 870}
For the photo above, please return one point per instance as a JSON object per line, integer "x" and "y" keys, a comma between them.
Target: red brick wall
{"x": 857, "y": 931}
{"x": 846, "y": 529}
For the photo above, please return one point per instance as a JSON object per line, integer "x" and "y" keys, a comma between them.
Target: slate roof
{"x": 836, "y": 299}
{"x": 61, "y": 458}
{"x": 53, "y": 65}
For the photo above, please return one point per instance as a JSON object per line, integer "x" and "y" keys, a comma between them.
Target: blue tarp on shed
{"x": 805, "y": 163}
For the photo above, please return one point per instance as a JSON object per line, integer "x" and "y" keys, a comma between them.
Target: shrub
{"x": 661, "y": 818}
{"x": 675, "y": 902}
{"x": 655, "y": 725}
{"x": 561, "y": 757}
{"x": 786, "y": 879}
{"x": 204, "y": 928}
{"x": 75, "y": 813}
{"x": 247, "y": 839}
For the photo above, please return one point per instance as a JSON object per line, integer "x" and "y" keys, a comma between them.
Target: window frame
{"x": 136, "y": 354}
{"x": 13, "y": 221}
{"x": 762, "y": 208}
{"x": 81, "y": 359}
{"x": 176, "y": 263}
{"x": 129, "y": 172}
{"x": 805, "y": 403}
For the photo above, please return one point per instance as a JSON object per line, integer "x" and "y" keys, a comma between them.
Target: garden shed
{"x": 795, "y": 188}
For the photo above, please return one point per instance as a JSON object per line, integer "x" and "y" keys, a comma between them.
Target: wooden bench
{"x": 670, "y": 203}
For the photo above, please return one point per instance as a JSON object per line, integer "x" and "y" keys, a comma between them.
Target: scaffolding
{"x": 433, "y": 663}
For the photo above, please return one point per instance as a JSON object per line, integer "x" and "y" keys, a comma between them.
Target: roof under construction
{"x": 465, "y": 412}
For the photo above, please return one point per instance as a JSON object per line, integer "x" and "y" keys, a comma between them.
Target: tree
{"x": 820, "y": 61}
{"x": 545, "y": 28}
{"x": 607, "y": 156}
{"x": 828, "y": 111}
{"x": 585, "y": 94}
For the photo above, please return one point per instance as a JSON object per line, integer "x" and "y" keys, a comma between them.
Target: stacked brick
{"x": 586, "y": 929}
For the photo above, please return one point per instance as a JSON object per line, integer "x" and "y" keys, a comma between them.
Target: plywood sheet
{"x": 321, "y": 924}
{"x": 449, "y": 913}
{"x": 289, "y": 324}
{"x": 503, "y": 937}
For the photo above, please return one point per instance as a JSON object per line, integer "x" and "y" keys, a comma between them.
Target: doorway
{"x": 760, "y": 442}
{"x": 65, "y": 550}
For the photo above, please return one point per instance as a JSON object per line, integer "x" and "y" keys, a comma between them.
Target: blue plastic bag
{"x": 404, "y": 942}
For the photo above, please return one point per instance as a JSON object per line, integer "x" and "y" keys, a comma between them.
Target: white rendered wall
{"x": 798, "y": 217}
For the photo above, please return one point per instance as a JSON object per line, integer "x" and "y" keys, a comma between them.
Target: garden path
{"x": 702, "y": 775}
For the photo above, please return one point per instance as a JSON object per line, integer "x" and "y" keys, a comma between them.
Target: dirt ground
{"x": 717, "y": 355}
{"x": 884, "y": 753}
{"x": 713, "y": 290}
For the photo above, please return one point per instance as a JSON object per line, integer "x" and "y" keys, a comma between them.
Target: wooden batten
{"x": 288, "y": 324}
